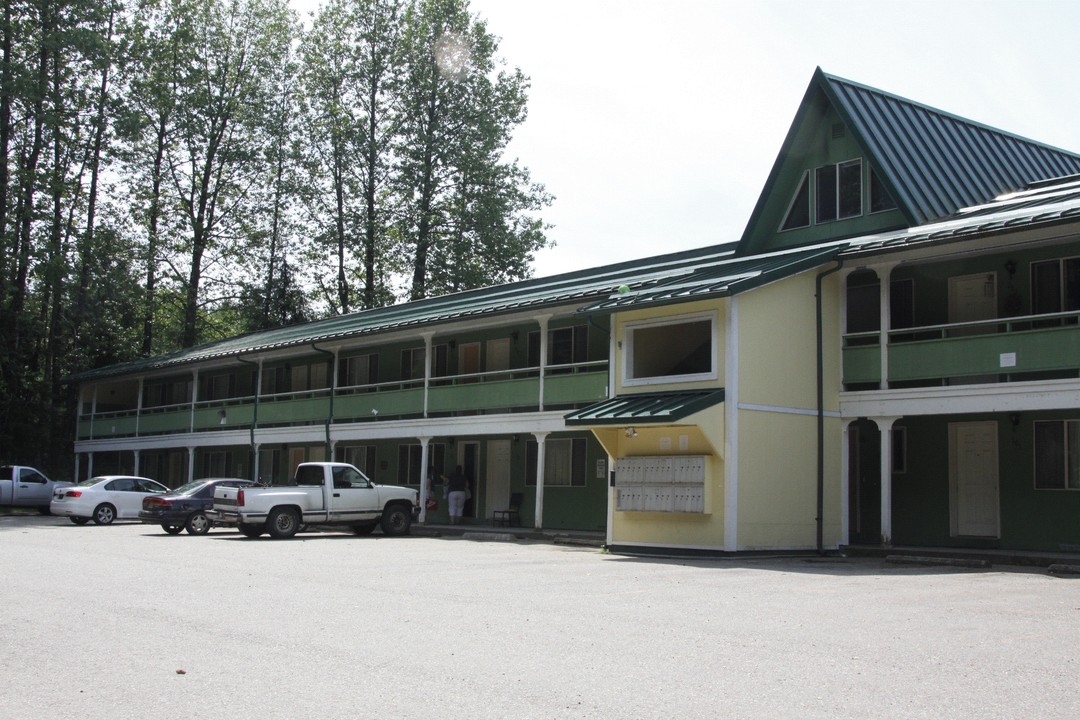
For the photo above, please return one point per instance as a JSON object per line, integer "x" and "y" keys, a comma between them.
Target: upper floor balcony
{"x": 528, "y": 389}
{"x": 963, "y": 319}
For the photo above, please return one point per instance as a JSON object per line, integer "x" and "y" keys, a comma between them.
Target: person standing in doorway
{"x": 456, "y": 485}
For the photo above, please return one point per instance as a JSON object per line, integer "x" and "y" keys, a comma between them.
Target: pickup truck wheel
{"x": 396, "y": 520}
{"x": 282, "y": 523}
{"x": 252, "y": 531}
{"x": 79, "y": 520}
{"x": 172, "y": 529}
{"x": 198, "y": 524}
{"x": 365, "y": 528}
{"x": 104, "y": 514}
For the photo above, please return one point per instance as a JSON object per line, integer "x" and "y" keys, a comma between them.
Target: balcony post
{"x": 138, "y": 404}
{"x": 425, "y": 479}
{"x": 427, "y": 368}
{"x": 190, "y": 463}
{"x": 884, "y": 425}
{"x": 194, "y": 398}
{"x": 845, "y": 482}
{"x": 136, "y": 471}
{"x": 543, "y": 320}
{"x": 540, "y": 451}
{"x": 884, "y": 273}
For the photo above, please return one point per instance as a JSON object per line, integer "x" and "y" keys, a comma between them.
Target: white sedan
{"x": 104, "y": 499}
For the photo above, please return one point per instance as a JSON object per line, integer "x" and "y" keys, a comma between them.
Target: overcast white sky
{"x": 655, "y": 122}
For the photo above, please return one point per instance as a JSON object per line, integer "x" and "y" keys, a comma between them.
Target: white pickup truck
{"x": 321, "y": 493}
{"x": 26, "y": 487}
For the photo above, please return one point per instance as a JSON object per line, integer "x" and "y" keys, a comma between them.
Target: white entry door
{"x": 498, "y": 476}
{"x": 972, "y": 297}
{"x": 973, "y": 479}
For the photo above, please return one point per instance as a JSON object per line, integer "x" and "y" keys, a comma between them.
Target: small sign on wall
{"x": 601, "y": 469}
{"x": 1007, "y": 360}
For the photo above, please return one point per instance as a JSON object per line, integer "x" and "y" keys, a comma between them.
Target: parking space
{"x": 125, "y": 621}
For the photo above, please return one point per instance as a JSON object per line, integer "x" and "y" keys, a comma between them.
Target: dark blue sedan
{"x": 185, "y": 507}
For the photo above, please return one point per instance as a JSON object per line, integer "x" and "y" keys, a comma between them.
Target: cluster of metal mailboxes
{"x": 658, "y": 483}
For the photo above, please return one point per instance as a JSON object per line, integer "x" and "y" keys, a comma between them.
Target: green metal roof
{"x": 535, "y": 294}
{"x": 933, "y": 163}
{"x": 936, "y": 163}
{"x": 720, "y": 279}
{"x": 1047, "y": 203}
{"x": 645, "y": 408}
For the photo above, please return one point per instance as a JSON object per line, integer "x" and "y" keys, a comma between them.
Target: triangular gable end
{"x": 870, "y": 162}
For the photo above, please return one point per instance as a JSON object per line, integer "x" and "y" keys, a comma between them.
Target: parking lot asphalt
{"x": 126, "y": 622}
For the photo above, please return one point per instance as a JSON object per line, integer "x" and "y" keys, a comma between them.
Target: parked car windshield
{"x": 91, "y": 481}
{"x": 188, "y": 488}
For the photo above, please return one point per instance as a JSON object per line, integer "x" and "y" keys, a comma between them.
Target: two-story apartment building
{"x": 885, "y": 357}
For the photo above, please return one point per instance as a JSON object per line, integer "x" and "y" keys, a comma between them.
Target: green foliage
{"x": 176, "y": 171}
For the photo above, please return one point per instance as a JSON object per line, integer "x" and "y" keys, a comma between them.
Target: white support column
{"x": 884, "y": 273}
{"x": 136, "y": 471}
{"x": 611, "y": 501}
{"x": 884, "y": 425}
{"x": 190, "y": 464}
{"x": 256, "y": 460}
{"x": 427, "y": 368}
{"x": 194, "y": 399}
{"x": 845, "y": 483}
{"x": 425, "y": 479}
{"x": 543, "y": 320}
{"x": 138, "y": 405}
{"x": 731, "y": 427}
{"x": 78, "y": 457}
{"x": 540, "y": 452}
{"x": 89, "y": 464}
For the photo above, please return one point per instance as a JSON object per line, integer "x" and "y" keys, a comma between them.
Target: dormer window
{"x": 838, "y": 195}
{"x": 880, "y": 198}
{"x": 798, "y": 215}
{"x": 838, "y": 191}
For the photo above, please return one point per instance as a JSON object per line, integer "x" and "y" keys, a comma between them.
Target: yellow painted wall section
{"x": 777, "y": 416}
{"x": 690, "y": 530}
{"x": 778, "y": 343}
{"x": 717, "y": 307}
{"x": 706, "y": 530}
{"x": 778, "y": 481}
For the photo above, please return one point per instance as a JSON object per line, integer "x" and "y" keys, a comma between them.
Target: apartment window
{"x": 275, "y": 380}
{"x": 564, "y": 462}
{"x": 1057, "y": 455}
{"x": 864, "y": 303}
{"x": 216, "y": 464}
{"x": 1055, "y": 286}
{"x": 798, "y": 214}
{"x": 410, "y": 466}
{"x": 358, "y": 370}
{"x": 359, "y": 456}
{"x": 412, "y": 363}
{"x": 880, "y": 197}
{"x": 678, "y": 350}
{"x": 899, "y": 450}
{"x": 270, "y": 466}
{"x": 838, "y": 191}
{"x": 565, "y": 346}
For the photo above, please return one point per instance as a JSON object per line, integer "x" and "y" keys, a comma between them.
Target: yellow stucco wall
{"x": 704, "y": 432}
{"x": 776, "y": 428}
{"x": 777, "y": 416}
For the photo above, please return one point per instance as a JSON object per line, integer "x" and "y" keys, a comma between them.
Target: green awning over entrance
{"x": 645, "y": 408}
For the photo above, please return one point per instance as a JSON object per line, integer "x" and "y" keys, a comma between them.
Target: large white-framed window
{"x": 676, "y": 349}
{"x": 564, "y": 462}
{"x": 1057, "y": 454}
{"x": 358, "y": 370}
{"x": 798, "y": 212}
{"x": 880, "y": 197}
{"x": 1055, "y": 285}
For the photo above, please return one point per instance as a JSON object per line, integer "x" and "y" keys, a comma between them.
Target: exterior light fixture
{"x": 630, "y": 432}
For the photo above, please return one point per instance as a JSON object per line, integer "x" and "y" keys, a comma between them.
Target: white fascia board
{"x": 986, "y": 398}
{"x": 468, "y": 426}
